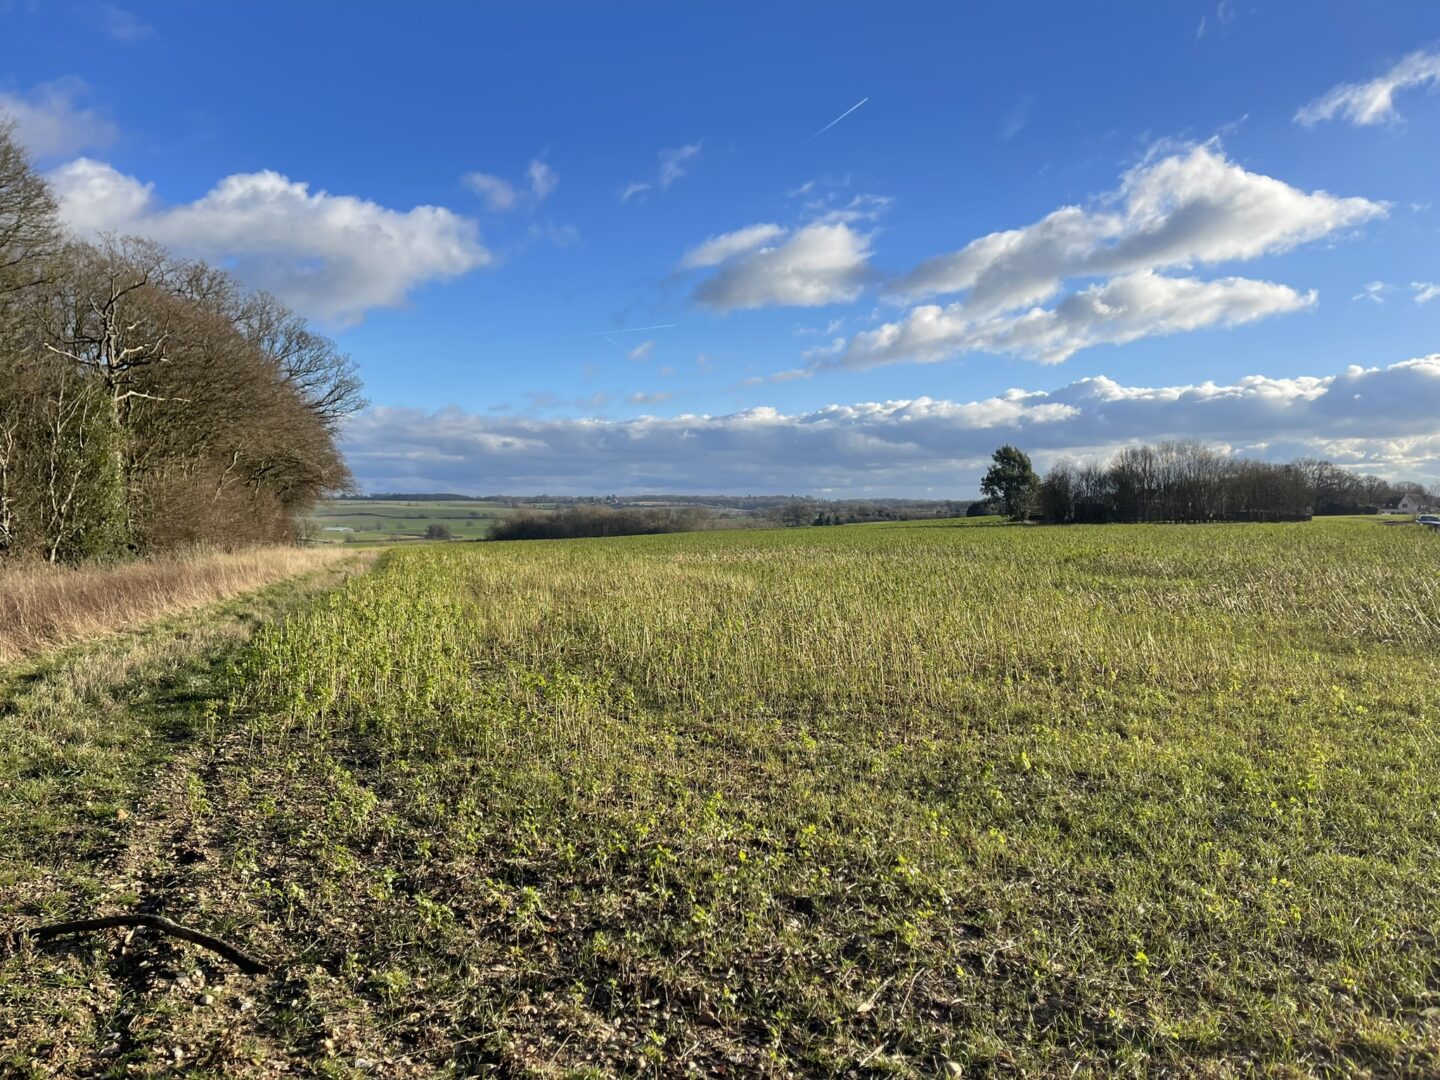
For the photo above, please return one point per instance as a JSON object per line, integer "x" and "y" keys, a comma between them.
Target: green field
{"x": 337, "y": 521}
{"x": 904, "y": 800}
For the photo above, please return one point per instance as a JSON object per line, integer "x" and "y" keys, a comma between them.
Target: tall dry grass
{"x": 44, "y": 606}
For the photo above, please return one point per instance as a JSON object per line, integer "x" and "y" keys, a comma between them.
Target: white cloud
{"x": 332, "y": 257}
{"x": 1373, "y": 291}
{"x": 124, "y": 25}
{"x": 501, "y": 195}
{"x": 1121, "y": 310}
{"x": 642, "y": 351}
{"x": 1017, "y": 117}
{"x": 1373, "y": 102}
{"x": 562, "y": 236}
{"x": 863, "y": 207}
{"x": 1425, "y": 291}
{"x": 673, "y": 165}
{"x": 657, "y": 398}
{"x": 904, "y": 447}
{"x": 717, "y": 249}
{"x": 498, "y": 194}
{"x": 676, "y": 163}
{"x": 816, "y": 265}
{"x": 543, "y": 179}
{"x": 49, "y": 122}
{"x": 1185, "y": 209}
{"x": 834, "y": 347}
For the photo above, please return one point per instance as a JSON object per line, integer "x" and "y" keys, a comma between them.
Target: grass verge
{"x": 43, "y": 607}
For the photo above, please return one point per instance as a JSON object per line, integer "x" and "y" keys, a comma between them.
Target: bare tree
{"x": 147, "y": 401}
{"x": 29, "y": 228}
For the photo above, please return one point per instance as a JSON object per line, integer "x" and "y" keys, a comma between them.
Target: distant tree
{"x": 593, "y": 519}
{"x": 795, "y": 513}
{"x": 436, "y": 531}
{"x": 982, "y": 508}
{"x": 1010, "y": 481}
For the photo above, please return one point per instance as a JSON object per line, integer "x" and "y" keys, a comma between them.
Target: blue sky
{"x": 1068, "y": 226}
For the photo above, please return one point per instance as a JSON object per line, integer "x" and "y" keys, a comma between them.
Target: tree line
{"x": 1182, "y": 481}
{"x": 582, "y": 521}
{"x": 149, "y": 402}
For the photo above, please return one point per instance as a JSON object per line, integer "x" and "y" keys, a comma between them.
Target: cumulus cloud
{"x": 1185, "y": 209}
{"x": 1124, "y": 309}
{"x": 904, "y": 447}
{"x": 51, "y": 122}
{"x": 501, "y": 195}
{"x": 815, "y": 265}
{"x": 332, "y": 257}
{"x": 1373, "y": 102}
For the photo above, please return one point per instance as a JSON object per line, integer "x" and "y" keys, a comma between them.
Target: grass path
{"x": 104, "y": 753}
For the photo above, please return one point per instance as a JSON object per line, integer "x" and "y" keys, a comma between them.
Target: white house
{"x": 1407, "y": 504}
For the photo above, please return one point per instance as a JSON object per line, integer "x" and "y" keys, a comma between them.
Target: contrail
{"x": 583, "y": 334}
{"x": 842, "y": 116}
{"x": 631, "y": 330}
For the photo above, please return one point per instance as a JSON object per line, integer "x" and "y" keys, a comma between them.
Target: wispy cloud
{"x": 717, "y": 249}
{"x": 501, "y": 195}
{"x": 633, "y": 189}
{"x": 1373, "y": 102}
{"x": 674, "y": 163}
{"x": 1017, "y": 118}
{"x": 124, "y": 25}
{"x": 1373, "y": 291}
{"x": 658, "y": 397}
{"x": 1425, "y": 291}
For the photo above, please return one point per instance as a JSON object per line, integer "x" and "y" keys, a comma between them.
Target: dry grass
{"x": 43, "y": 607}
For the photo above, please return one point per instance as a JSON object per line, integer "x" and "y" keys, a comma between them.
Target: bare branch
{"x": 243, "y": 960}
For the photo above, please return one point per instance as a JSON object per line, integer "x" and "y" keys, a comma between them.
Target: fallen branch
{"x": 242, "y": 960}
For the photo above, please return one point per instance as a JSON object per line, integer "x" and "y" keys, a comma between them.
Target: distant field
{"x": 364, "y": 520}
{"x": 934, "y": 798}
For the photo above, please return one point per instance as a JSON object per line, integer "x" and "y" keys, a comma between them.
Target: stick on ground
{"x": 240, "y": 959}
